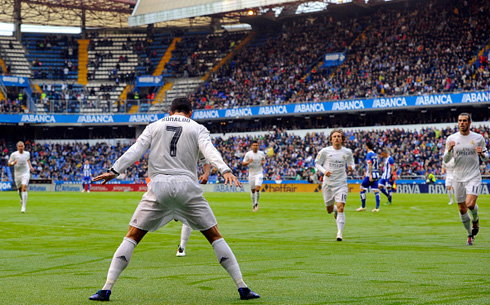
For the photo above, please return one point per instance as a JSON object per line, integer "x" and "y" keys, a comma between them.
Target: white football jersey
{"x": 174, "y": 144}
{"x": 21, "y": 168}
{"x": 449, "y": 166}
{"x": 255, "y": 167}
{"x": 334, "y": 161}
{"x": 466, "y": 159}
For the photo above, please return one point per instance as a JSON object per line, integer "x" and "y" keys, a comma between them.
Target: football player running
{"x": 255, "y": 160}
{"x": 386, "y": 182}
{"x": 20, "y": 160}
{"x": 466, "y": 147}
{"x": 332, "y": 162}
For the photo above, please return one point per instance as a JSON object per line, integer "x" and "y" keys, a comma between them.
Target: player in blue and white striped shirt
{"x": 386, "y": 181}
{"x": 86, "y": 176}
{"x": 371, "y": 179}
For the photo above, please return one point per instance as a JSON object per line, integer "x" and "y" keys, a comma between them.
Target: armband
{"x": 111, "y": 170}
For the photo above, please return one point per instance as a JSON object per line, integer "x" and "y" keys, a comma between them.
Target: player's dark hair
{"x": 370, "y": 145}
{"x": 181, "y": 104}
{"x": 255, "y": 141}
{"x": 339, "y": 130}
{"x": 466, "y": 114}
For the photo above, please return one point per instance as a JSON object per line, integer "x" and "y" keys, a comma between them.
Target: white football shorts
{"x": 449, "y": 180}
{"x": 22, "y": 180}
{"x": 332, "y": 194}
{"x": 461, "y": 189}
{"x": 255, "y": 180}
{"x": 173, "y": 197}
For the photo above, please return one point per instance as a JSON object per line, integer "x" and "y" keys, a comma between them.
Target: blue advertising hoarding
{"x": 333, "y": 59}
{"x": 149, "y": 81}
{"x": 401, "y": 102}
{"x": 14, "y": 81}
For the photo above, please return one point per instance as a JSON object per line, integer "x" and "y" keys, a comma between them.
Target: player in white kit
{"x": 22, "y": 172}
{"x": 449, "y": 168}
{"x": 186, "y": 231}
{"x": 332, "y": 162}
{"x": 173, "y": 192}
{"x": 466, "y": 147}
{"x": 255, "y": 160}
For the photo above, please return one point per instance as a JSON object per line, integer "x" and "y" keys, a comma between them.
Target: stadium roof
{"x": 162, "y": 13}
{"x": 97, "y": 13}
{"x": 154, "y": 11}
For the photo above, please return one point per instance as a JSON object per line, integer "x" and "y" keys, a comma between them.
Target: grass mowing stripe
{"x": 412, "y": 252}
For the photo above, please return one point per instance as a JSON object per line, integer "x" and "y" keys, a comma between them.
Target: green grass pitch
{"x": 412, "y": 252}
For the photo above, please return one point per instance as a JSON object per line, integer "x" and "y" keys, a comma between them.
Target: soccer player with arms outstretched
{"x": 466, "y": 147}
{"x": 255, "y": 160}
{"x": 332, "y": 162}
{"x": 86, "y": 176}
{"x": 371, "y": 179}
{"x": 173, "y": 192}
{"x": 20, "y": 160}
{"x": 385, "y": 184}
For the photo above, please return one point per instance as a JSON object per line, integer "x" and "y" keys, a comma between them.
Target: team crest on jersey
{"x": 343, "y": 157}
{"x": 472, "y": 142}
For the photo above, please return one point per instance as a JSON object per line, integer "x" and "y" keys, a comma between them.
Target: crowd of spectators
{"x": 63, "y": 162}
{"x": 68, "y": 52}
{"x": 11, "y": 106}
{"x": 196, "y": 55}
{"x": 427, "y": 48}
{"x": 289, "y": 156}
{"x": 271, "y": 71}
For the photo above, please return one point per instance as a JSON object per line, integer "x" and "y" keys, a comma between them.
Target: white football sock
{"x": 24, "y": 200}
{"x": 257, "y": 196}
{"x": 450, "y": 194}
{"x": 20, "y": 194}
{"x": 184, "y": 235}
{"x": 474, "y": 212}
{"x": 252, "y": 195}
{"x": 335, "y": 208}
{"x": 340, "y": 221}
{"x": 466, "y": 220}
{"x": 227, "y": 259}
{"x": 120, "y": 261}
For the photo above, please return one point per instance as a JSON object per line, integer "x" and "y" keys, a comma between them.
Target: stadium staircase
{"x": 223, "y": 61}
{"x": 15, "y": 57}
{"x": 101, "y": 75}
{"x": 3, "y": 66}
{"x": 476, "y": 59}
{"x": 360, "y": 36}
{"x": 166, "y": 57}
{"x": 160, "y": 96}
{"x": 82, "y": 60}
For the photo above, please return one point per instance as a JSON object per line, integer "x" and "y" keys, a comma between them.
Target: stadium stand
{"x": 290, "y": 157}
{"x": 427, "y": 48}
{"x": 52, "y": 56}
{"x": 13, "y": 56}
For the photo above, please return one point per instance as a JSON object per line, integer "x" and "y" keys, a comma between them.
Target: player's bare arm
{"x": 231, "y": 179}
{"x": 451, "y": 145}
{"x": 203, "y": 179}
{"x": 30, "y": 165}
{"x": 106, "y": 177}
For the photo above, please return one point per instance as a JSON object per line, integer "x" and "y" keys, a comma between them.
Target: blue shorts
{"x": 366, "y": 183}
{"x": 385, "y": 182}
{"x": 86, "y": 180}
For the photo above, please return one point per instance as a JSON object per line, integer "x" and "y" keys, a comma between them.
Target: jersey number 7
{"x": 177, "y": 130}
